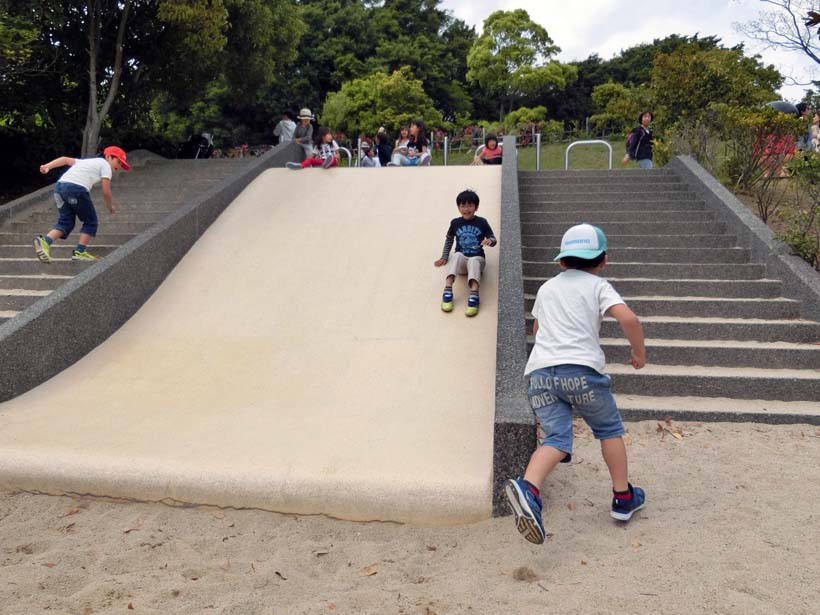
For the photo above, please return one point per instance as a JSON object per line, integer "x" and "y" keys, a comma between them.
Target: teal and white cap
{"x": 583, "y": 241}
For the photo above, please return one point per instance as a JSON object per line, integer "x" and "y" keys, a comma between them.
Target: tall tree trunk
{"x": 96, "y": 115}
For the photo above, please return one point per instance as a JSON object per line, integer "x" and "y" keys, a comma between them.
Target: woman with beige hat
{"x": 303, "y": 135}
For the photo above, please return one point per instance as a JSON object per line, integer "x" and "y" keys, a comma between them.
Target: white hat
{"x": 582, "y": 241}
{"x": 305, "y": 114}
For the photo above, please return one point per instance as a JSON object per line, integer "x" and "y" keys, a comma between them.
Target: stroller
{"x": 198, "y": 146}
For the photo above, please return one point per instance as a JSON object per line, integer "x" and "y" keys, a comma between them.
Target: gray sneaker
{"x": 327, "y": 162}
{"x": 295, "y": 166}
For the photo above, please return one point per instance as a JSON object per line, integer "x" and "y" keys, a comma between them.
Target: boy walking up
{"x": 71, "y": 194}
{"x": 566, "y": 374}
{"x": 470, "y": 233}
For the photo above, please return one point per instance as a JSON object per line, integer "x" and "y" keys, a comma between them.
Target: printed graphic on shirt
{"x": 469, "y": 240}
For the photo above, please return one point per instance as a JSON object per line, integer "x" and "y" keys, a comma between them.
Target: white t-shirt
{"x": 570, "y": 308}
{"x": 86, "y": 172}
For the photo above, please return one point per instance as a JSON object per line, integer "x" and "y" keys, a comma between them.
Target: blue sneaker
{"x": 472, "y": 306}
{"x": 622, "y": 510}
{"x": 447, "y": 301}
{"x": 526, "y": 507}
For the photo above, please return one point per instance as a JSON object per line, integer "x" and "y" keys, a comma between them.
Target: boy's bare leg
{"x": 85, "y": 239}
{"x": 473, "y": 285}
{"x": 449, "y": 280}
{"x": 542, "y": 463}
{"x": 614, "y": 453}
{"x": 54, "y": 234}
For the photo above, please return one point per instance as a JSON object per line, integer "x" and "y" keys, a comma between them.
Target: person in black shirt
{"x": 471, "y": 234}
{"x": 639, "y": 142}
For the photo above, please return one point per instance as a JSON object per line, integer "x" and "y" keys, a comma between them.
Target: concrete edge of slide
{"x": 449, "y": 503}
{"x": 514, "y": 437}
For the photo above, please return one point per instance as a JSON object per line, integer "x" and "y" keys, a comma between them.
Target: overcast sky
{"x": 606, "y": 27}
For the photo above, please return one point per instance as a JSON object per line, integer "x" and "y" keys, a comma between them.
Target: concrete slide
{"x": 296, "y": 360}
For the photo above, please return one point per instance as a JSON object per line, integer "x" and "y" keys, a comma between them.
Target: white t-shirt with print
{"x": 86, "y": 172}
{"x": 570, "y": 308}
{"x": 325, "y": 150}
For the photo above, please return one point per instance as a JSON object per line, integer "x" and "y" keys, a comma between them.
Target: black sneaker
{"x": 622, "y": 510}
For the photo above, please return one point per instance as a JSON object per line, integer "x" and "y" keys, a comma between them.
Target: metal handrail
{"x": 590, "y": 142}
{"x": 349, "y": 155}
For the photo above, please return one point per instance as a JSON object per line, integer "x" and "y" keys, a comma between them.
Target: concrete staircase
{"x": 142, "y": 197}
{"x": 722, "y": 342}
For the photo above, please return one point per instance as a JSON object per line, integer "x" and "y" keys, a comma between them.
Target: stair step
{"x": 661, "y": 190}
{"x": 774, "y": 355}
{"x": 616, "y": 242}
{"x": 579, "y": 184}
{"x": 31, "y": 266}
{"x": 700, "y": 328}
{"x": 571, "y": 216}
{"x": 730, "y": 329}
{"x": 717, "y": 307}
{"x": 687, "y": 408}
{"x": 33, "y": 282}
{"x": 713, "y": 381}
{"x": 18, "y": 299}
{"x": 58, "y": 250}
{"x": 676, "y": 256}
{"x": 659, "y": 271}
{"x": 632, "y": 176}
{"x": 20, "y": 239}
{"x": 110, "y": 224}
{"x": 625, "y": 197}
{"x": 632, "y": 228}
{"x": 550, "y": 206}
{"x": 763, "y": 288}
{"x": 150, "y": 217}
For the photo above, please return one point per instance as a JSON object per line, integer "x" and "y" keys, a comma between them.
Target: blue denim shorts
{"x": 554, "y": 393}
{"x": 73, "y": 201}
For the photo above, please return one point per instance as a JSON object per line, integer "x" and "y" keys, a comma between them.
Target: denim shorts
{"x": 554, "y": 393}
{"x": 73, "y": 201}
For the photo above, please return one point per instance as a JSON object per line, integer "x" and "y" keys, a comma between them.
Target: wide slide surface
{"x": 296, "y": 360}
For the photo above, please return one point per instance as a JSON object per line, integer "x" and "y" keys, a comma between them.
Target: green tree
{"x": 365, "y": 104}
{"x": 85, "y": 68}
{"x": 511, "y": 60}
{"x": 17, "y": 36}
{"x": 619, "y": 107}
{"x": 349, "y": 39}
{"x": 687, "y": 80}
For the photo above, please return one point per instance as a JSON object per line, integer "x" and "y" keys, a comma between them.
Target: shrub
{"x": 803, "y": 224}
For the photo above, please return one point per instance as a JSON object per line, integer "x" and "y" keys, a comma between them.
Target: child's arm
{"x": 633, "y": 331}
{"x": 489, "y": 237}
{"x": 105, "y": 183}
{"x": 445, "y": 252}
{"x": 62, "y": 161}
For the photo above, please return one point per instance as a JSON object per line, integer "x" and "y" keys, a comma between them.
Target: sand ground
{"x": 732, "y": 526}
